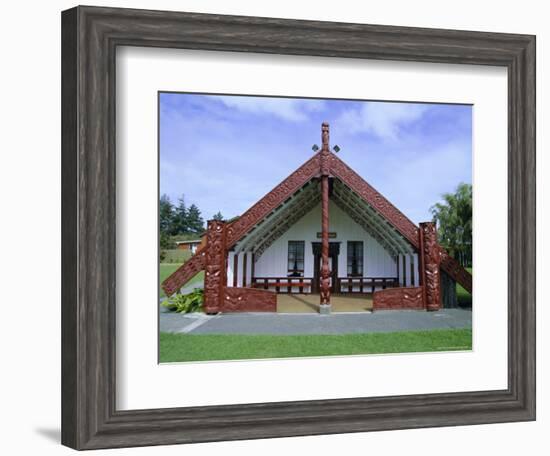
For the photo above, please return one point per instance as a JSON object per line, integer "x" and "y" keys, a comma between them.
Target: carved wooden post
{"x": 430, "y": 261}
{"x": 325, "y": 270}
{"x": 215, "y": 266}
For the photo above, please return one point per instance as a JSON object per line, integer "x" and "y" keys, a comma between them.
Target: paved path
{"x": 272, "y": 323}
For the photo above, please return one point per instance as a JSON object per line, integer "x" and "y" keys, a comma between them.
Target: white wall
{"x": 30, "y": 166}
{"x": 377, "y": 261}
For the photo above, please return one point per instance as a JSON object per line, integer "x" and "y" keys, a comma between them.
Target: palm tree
{"x": 454, "y": 219}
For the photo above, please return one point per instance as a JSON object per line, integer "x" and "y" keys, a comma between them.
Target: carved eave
{"x": 371, "y": 221}
{"x": 253, "y": 216}
{"x": 280, "y": 220}
{"x": 375, "y": 199}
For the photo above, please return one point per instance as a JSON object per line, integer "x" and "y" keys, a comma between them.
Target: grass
{"x": 464, "y": 298}
{"x": 201, "y": 347}
{"x": 166, "y": 269}
{"x": 176, "y": 256}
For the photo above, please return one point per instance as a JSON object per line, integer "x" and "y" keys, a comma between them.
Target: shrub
{"x": 191, "y": 302}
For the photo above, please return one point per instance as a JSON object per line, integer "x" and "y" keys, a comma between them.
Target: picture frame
{"x": 90, "y": 36}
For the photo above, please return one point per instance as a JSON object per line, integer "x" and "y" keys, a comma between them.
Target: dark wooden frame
{"x": 89, "y": 38}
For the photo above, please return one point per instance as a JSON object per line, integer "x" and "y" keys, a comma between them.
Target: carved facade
{"x": 324, "y": 166}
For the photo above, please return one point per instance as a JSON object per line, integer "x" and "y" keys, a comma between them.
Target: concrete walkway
{"x": 343, "y": 323}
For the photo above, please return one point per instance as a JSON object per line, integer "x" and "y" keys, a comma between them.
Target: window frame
{"x": 362, "y": 258}
{"x": 295, "y": 272}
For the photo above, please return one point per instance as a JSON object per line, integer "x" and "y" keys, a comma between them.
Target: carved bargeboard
{"x": 393, "y": 215}
{"x": 184, "y": 273}
{"x": 398, "y": 298}
{"x": 455, "y": 270}
{"x": 237, "y": 229}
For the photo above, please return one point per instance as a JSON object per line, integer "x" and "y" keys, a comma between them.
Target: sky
{"x": 223, "y": 153}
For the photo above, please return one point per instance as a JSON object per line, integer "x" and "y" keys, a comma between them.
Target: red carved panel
{"x": 455, "y": 270}
{"x": 398, "y": 298}
{"x": 431, "y": 260}
{"x": 393, "y": 215}
{"x": 239, "y": 299}
{"x": 237, "y": 229}
{"x": 184, "y": 273}
{"x": 215, "y": 266}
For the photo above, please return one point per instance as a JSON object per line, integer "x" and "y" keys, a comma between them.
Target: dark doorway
{"x": 333, "y": 252}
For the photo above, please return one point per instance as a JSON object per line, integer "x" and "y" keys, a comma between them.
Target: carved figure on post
{"x": 325, "y": 270}
{"x": 431, "y": 261}
{"x": 215, "y": 266}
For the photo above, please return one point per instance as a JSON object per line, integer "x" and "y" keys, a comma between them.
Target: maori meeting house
{"x": 322, "y": 231}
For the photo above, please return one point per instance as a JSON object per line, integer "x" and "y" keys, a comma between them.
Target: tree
{"x": 218, "y": 216}
{"x": 180, "y": 218}
{"x": 195, "y": 223}
{"x": 165, "y": 241}
{"x": 166, "y": 215}
{"x": 454, "y": 219}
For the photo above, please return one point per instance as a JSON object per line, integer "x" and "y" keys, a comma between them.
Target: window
{"x": 355, "y": 258}
{"x": 296, "y": 258}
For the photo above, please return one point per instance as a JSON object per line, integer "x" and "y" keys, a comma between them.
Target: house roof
{"x": 257, "y": 228}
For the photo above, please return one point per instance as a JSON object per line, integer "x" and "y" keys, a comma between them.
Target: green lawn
{"x": 166, "y": 269}
{"x": 200, "y": 347}
{"x": 464, "y": 298}
{"x": 176, "y": 256}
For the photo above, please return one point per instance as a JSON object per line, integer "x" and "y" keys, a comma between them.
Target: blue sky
{"x": 225, "y": 152}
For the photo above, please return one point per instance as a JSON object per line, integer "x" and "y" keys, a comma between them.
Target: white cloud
{"x": 384, "y": 120}
{"x": 295, "y": 110}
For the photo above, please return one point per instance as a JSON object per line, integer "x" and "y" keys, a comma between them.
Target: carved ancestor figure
{"x": 325, "y": 270}
{"x": 431, "y": 260}
{"x": 215, "y": 266}
{"x": 324, "y": 170}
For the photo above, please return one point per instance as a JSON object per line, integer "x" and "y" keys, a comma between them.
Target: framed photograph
{"x": 279, "y": 228}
